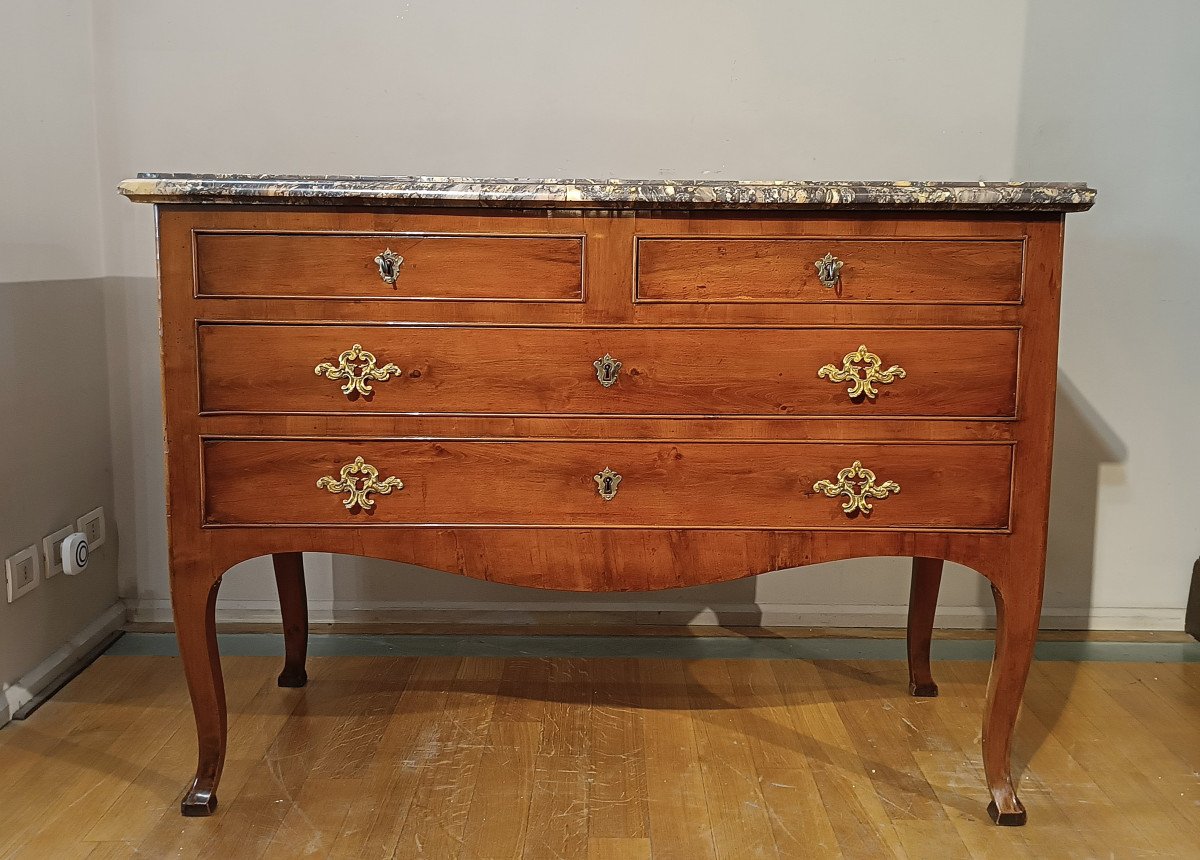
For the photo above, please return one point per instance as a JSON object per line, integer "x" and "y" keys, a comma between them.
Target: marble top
{"x": 607, "y": 193}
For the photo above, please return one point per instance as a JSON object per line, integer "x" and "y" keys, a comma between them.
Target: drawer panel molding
{"x": 738, "y": 270}
{"x": 609, "y": 372}
{"x": 595, "y": 483}
{"x": 403, "y": 266}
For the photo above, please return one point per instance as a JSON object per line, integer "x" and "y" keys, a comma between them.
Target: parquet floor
{"x": 475, "y": 757}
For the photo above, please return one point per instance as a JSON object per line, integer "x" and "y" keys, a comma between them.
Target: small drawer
{"x": 904, "y": 271}
{"x": 529, "y": 370}
{"x": 413, "y": 266}
{"x": 592, "y": 483}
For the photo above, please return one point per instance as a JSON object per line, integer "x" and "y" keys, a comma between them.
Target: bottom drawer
{"x": 506, "y": 482}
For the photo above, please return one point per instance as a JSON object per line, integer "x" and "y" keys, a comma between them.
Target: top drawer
{"x": 413, "y": 266}
{"x": 904, "y": 271}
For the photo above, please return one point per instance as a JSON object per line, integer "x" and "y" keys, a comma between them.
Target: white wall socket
{"x": 92, "y": 526}
{"x": 52, "y": 551}
{"x": 23, "y": 572}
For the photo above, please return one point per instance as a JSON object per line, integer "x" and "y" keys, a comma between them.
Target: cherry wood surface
{"x": 922, "y": 607}
{"x": 737, "y": 269}
{"x": 949, "y": 372}
{"x": 603, "y": 557}
{"x": 433, "y": 267}
{"x": 550, "y": 483}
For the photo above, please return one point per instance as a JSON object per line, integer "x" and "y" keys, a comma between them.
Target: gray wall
{"x": 532, "y": 89}
{"x": 55, "y": 461}
{"x": 1046, "y": 90}
{"x": 1109, "y": 90}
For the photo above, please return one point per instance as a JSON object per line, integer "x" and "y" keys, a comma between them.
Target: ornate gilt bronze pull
{"x": 829, "y": 269}
{"x": 862, "y": 370}
{"x": 607, "y": 482}
{"x": 359, "y": 479}
{"x": 857, "y": 484}
{"x": 358, "y": 368}
{"x": 389, "y": 263}
{"x": 607, "y": 369}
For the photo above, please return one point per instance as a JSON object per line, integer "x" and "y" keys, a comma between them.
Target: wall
{"x": 766, "y": 89}
{"x": 1109, "y": 91}
{"x": 55, "y": 462}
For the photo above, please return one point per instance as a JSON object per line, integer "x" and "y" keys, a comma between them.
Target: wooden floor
{"x": 478, "y": 757}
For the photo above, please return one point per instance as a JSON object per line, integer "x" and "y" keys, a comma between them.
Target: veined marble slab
{"x": 607, "y": 193}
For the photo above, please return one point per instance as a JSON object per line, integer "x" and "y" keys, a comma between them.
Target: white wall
{"x": 766, "y": 89}
{"x": 55, "y": 458}
{"x": 1110, "y": 91}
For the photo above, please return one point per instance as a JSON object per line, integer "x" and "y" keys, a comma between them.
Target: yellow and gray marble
{"x": 608, "y": 193}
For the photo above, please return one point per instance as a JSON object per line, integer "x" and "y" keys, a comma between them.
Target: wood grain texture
{"x": 925, "y": 583}
{"x": 656, "y": 539}
{"x": 825, "y": 750}
{"x": 771, "y": 372}
{"x": 315, "y": 265}
{"x": 552, "y": 483}
{"x": 736, "y": 269}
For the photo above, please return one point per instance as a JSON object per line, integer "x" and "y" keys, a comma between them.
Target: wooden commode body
{"x": 608, "y": 386}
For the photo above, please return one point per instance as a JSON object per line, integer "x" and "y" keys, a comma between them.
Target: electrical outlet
{"x": 23, "y": 572}
{"x": 92, "y": 526}
{"x": 52, "y": 551}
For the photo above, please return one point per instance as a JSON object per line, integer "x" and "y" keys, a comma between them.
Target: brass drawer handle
{"x": 862, "y": 370}
{"x": 857, "y": 484}
{"x": 359, "y": 479}
{"x": 389, "y": 263}
{"x": 829, "y": 271}
{"x": 607, "y": 482}
{"x": 607, "y": 369}
{"x": 358, "y": 368}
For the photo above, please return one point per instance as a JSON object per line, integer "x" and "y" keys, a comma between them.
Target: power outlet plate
{"x": 23, "y": 572}
{"x": 52, "y": 551}
{"x": 92, "y": 526}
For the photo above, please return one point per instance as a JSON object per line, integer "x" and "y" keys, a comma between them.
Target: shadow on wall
{"x": 1083, "y": 442}
{"x": 427, "y": 594}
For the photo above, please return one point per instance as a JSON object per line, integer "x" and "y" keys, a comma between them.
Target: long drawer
{"x": 902, "y": 271}
{"x": 577, "y": 483}
{"x": 411, "y": 266}
{"x": 947, "y": 372}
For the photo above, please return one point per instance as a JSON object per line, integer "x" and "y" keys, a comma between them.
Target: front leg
{"x": 194, "y": 600}
{"x": 922, "y": 605}
{"x": 293, "y": 604}
{"x": 1018, "y": 608}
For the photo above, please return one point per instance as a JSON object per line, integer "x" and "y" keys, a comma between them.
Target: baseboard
{"x": 15, "y": 696}
{"x": 766, "y": 615}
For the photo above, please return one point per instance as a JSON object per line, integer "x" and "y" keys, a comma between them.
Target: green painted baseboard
{"x": 674, "y": 647}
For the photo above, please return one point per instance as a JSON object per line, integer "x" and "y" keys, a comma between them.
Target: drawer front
{"x": 390, "y": 266}
{"x": 734, "y": 270}
{"x": 778, "y": 372}
{"x": 565, "y": 483}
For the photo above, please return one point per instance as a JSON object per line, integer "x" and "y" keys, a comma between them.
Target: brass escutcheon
{"x": 359, "y": 479}
{"x": 857, "y": 484}
{"x": 607, "y": 482}
{"x": 829, "y": 270}
{"x": 358, "y": 368}
{"x": 389, "y": 263}
{"x": 862, "y": 370}
{"x": 607, "y": 369}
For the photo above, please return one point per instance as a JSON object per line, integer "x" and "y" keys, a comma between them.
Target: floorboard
{"x": 526, "y": 756}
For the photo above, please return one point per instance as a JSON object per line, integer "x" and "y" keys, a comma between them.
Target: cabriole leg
{"x": 1017, "y": 612}
{"x": 193, "y": 599}
{"x": 293, "y": 603}
{"x": 922, "y": 605}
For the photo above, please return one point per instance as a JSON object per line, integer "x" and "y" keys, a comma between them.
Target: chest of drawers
{"x": 608, "y": 387}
